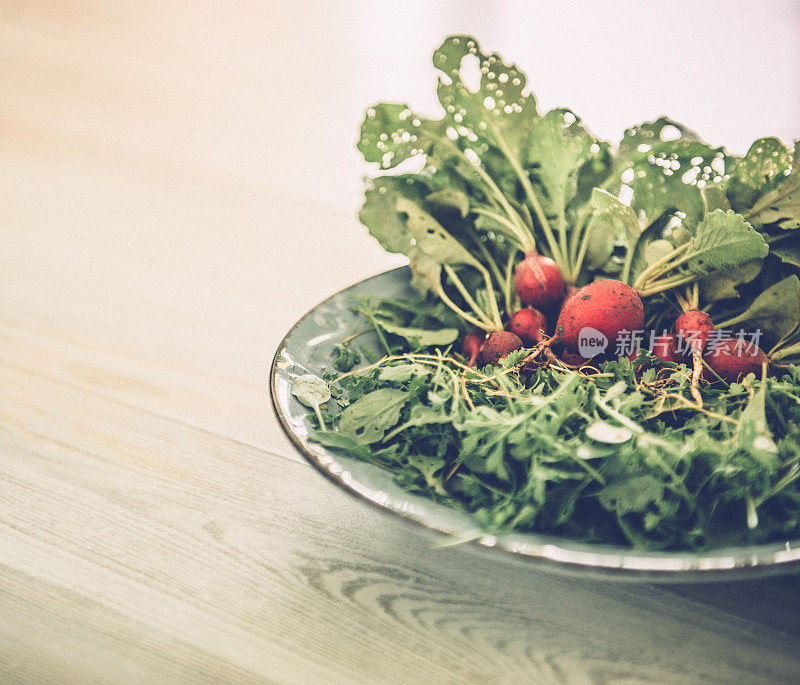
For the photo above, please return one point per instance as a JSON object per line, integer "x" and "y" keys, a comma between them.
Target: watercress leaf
{"x": 420, "y": 336}
{"x": 483, "y": 98}
{"x": 311, "y": 390}
{"x": 391, "y": 133}
{"x": 776, "y": 310}
{"x": 724, "y": 240}
{"x": 367, "y": 420}
{"x": 430, "y": 237}
{"x": 779, "y": 206}
{"x": 557, "y": 147}
{"x": 766, "y": 163}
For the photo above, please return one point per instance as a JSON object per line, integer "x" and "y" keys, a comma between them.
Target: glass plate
{"x": 307, "y": 348}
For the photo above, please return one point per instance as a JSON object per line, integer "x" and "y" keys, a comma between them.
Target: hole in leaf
{"x": 470, "y": 73}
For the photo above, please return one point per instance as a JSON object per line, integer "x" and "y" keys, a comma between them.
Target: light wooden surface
{"x": 155, "y": 525}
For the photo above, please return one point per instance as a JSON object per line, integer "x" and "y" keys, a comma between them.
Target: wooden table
{"x": 155, "y": 525}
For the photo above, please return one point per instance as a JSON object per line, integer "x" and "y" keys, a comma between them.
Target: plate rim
{"x": 556, "y": 558}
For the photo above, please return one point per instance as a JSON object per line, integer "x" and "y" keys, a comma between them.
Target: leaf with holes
{"x": 766, "y": 164}
{"x": 369, "y": 418}
{"x": 666, "y": 165}
{"x": 392, "y": 133}
{"x": 430, "y": 237}
{"x": 484, "y": 99}
{"x": 381, "y": 216}
{"x": 779, "y": 206}
{"x": 613, "y": 223}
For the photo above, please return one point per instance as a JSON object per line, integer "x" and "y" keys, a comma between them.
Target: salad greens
{"x": 650, "y": 451}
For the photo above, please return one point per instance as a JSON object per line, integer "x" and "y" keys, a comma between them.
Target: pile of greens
{"x": 624, "y": 451}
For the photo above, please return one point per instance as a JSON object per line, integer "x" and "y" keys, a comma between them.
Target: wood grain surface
{"x": 155, "y": 524}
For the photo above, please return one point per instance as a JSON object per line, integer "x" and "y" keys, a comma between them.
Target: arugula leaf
{"x": 367, "y": 420}
{"x": 403, "y": 372}
{"x": 422, "y": 337}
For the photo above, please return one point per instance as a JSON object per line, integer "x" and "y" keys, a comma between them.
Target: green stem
{"x": 490, "y": 294}
{"x": 667, "y": 284}
{"x": 652, "y": 271}
{"x": 465, "y": 293}
{"x": 507, "y": 283}
{"x": 464, "y": 315}
{"x": 371, "y": 318}
{"x": 533, "y": 200}
{"x": 584, "y": 246}
{"x": 789, "y": 351}
{"x": 505, "y": 223}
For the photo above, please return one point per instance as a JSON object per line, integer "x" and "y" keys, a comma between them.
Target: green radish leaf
{"x": 381, "y": 216}
{"x": 767, "y": 163}
{"x": 420, "y": 336}
{"x": 775, "y": 311}
{"x": 666, "y": 165}
{"x": 392, "y": 133}
{"x": 611, "y": 224}
{"x": 724, "y": 240}
{"x": 430, "y": 237}
{"x": 426, "y": 272}
{"x": 557, "y": 147}
{"x": 722, "y": 284}
{"x": 484, "y": 99}
{"x": 449, "y": 201}
{"x": 311, "y": 390}
{"x": 714, "y": 198}
{"x": 368, "y": 419}
{"x": 789, "y": 254}
{"x": 779, "y": 206}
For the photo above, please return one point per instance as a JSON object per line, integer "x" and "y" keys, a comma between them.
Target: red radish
{"x": 733, "y": 358}
{"x": 472, "y": 344}
{"x": 665, "y": 347}
{"x": 538, "y": 281}
{"x": 608, "y": 307}
{"x": 693, "y": 328}
{"x": 529, "y": 324}
{"x": 498, "y": 345}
